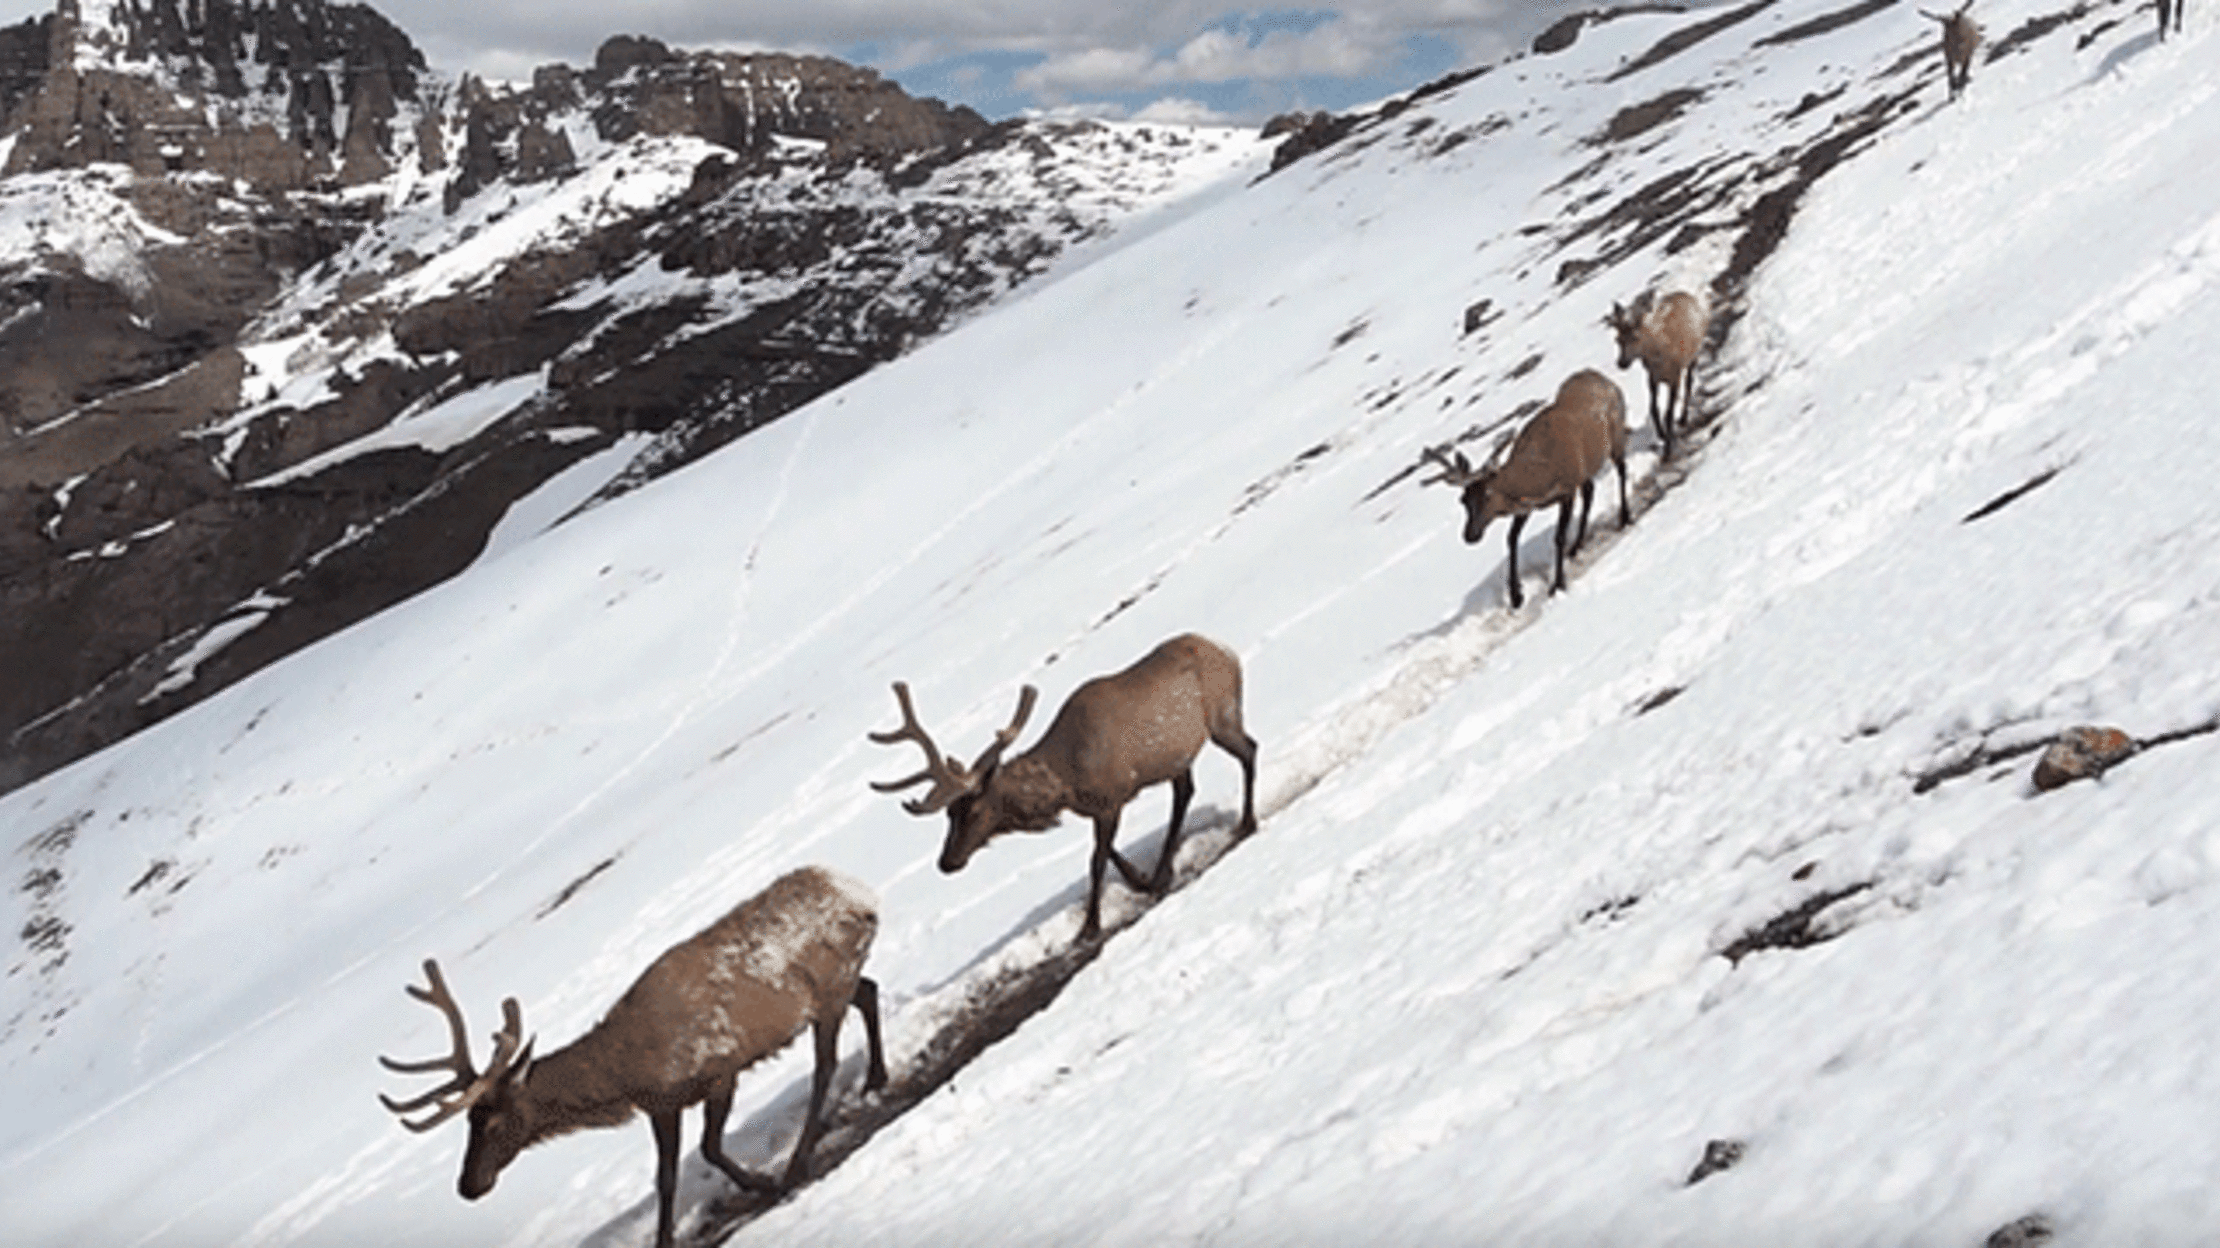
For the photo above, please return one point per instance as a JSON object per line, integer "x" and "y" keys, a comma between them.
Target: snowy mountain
{"x": 1726, "y": 854}
{"x": 289, "y": 322}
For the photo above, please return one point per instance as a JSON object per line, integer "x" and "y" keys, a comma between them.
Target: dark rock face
{"x": 1306, "y": 133}
{"x": 24, "y": 58}
{"x": 276, "y": 72}
{"x": 745, "y": 103}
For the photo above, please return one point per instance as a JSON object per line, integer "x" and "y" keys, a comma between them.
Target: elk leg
{"x": 664, "y": 1122}
{"x": 866, "y": 1003}
{"x": 1133, "y": 877}
{"x": 1625, "y": 517}
{"x": 1564, "y": 522}
{"x": 1243, "y": 748}
{"x": 715, "y": 1108}
{"x": 1518, "y": 596}
{"x": 1587, "y": 504}
{"x": 1183, "y": 791}
{"x": 1106, "y": 832}
{"x": 827, "y": 1034}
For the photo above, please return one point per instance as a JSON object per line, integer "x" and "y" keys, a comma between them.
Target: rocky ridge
{"x": 289, "y": 322}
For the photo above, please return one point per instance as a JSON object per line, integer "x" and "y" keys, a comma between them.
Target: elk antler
{"x": 950, "y": 780}
{"x": 993, "y": 753}
{"x": 469, "y": 1085}
{"x": 1459, "y": 474}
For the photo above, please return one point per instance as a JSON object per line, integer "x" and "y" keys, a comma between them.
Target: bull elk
{"x": 1961, "y": 36}
{"x": 1554, "y": 458}
{"x": 1114, "y": 736}
{"x": 788, "y": 958}
{"x": 1665, "y": 334}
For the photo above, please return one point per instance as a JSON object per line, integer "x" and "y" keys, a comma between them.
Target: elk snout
{"x": 1476, "y": 522}
{"x": 956, "y": 851}
{"x": 472, "y": 1186}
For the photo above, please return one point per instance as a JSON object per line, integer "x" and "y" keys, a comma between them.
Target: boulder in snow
{"x": 2081, "y": 753}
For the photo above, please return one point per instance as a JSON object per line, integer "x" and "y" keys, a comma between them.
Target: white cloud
{"x": 1334, "y": 49}
{"x": 1095, "y": 69}
{"x": 1178, "y": 111}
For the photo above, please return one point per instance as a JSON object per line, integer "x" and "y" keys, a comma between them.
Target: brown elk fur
{"x": 1114, "y": 736}
{"x": 1961, "y": 37}
{"x": 1666, "y": 334}
{"x": 788, "y": 959}
{"x": 1554, "y": 459}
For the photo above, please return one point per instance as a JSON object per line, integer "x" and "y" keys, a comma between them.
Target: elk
{"x": 2169, "y": 14}
{"x": 1114, "y": 736}
{"x": 1555, "y": 457}
{"x": 712, "y": 1005}
{"x": 1960, "y": 37}
{"x": 1665, "y": 334}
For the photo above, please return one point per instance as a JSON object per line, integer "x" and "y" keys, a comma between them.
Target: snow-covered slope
{"x": 1486, "y": 974}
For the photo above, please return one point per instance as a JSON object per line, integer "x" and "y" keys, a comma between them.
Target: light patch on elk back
{"x": 747, "y": 985}
{"x": 807, "y": 934}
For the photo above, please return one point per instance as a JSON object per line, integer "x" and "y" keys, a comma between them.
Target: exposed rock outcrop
{"x": 245, "y": 89}
{"x": 751, "y": 104}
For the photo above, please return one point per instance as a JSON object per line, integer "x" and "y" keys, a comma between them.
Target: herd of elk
{"x": 789, "y": 958}
{"x": 1114, "y": 736}
{"x": 1961, "y": 37}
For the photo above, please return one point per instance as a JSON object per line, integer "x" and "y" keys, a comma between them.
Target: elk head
{"x": 1473, "y": 482}
{"x": 1625, "y": 321}
{"x": 498, "y": 1128}
{"x": 975, "y": 816}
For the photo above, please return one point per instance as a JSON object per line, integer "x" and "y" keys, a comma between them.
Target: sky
{"x": 1181, "y": 61}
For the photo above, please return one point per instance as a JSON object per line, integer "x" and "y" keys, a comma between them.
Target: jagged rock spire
{"x": 282, "y": 93}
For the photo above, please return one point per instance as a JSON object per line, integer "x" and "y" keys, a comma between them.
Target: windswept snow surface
{"x": 1469, "y": 983}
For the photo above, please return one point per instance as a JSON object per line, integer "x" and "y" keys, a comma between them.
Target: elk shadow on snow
{"x": 1206, "y": 838}
{"x": 2121, "y": 55}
